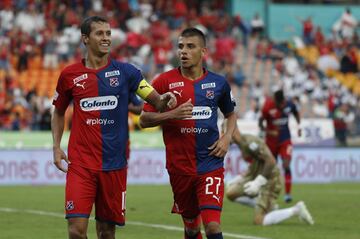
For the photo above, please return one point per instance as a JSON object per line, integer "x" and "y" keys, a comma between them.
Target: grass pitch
{"x": 37, "y": 212}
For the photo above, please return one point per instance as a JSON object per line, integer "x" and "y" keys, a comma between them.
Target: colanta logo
{"x": 201, "y": 112}
{"x": 99, "y": 103}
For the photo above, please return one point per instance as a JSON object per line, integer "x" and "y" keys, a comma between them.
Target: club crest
{"x": 210, "y": 94}
{"x": 69, "y": 205}
{"x": 114, "y": 82}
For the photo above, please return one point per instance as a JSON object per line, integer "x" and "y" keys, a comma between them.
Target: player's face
{"x": 99, "y": 39}
{"x": 190, "y": 51}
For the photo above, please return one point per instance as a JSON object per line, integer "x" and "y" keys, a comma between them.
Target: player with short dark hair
{"x": 261, "y": 184}
{"x": 276, "y": 112}
{"x": 100, "y": 89}
{"x": 194, "y": 150}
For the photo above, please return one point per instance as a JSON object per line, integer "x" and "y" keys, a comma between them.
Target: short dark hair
{"x": 86, "y": 24}
{"x": 279, "y": 96}
{"x": 191, "y": 32}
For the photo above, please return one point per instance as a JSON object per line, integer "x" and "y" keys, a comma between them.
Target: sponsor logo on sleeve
{"x": 112, "y": 73}
{"x": 99, "y": 103}
{"x": 176, "y": 84}
{"x": 201, "y": 112}
{"x": 80, "y": 78}
{"x": 208, "y": 85}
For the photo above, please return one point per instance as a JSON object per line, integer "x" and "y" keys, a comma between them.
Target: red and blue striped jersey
{"x": 187, "y": 141}
{"x": 278, "y": 119}
{"x": 99, "y": 132}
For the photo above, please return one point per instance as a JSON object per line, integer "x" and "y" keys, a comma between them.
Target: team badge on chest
{"x": 210, "y": 94}
{"x": 114, "y": 82}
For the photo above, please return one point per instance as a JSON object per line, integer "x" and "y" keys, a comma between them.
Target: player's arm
{"x": 269, "y": 161}
{"x": 135, "y": 109}
{"x": 57, "y": 129}
{"x": 261, "y": 123}
{"x": 236, "y": 137}
{"x": 298, "y": 119}
{"x": 261, "y": 152}
{"x": 221, "y": 146}
{"x": 150, "y": 95}
{"x": 151, "y": 119}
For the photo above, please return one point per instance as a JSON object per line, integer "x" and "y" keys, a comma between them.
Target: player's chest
{"x": 91, "y": 84}
{"x": 200, "y": 93}
{"x": 276, "y": 113}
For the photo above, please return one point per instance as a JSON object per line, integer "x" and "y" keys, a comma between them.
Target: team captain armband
{"x": 144, "y": 89}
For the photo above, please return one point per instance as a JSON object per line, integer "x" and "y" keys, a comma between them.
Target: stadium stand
{"x": 39, "y": 38}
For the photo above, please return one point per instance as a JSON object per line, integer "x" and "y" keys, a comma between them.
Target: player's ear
{"x": 85, "y": 39}
{"x": 204, "y": 51}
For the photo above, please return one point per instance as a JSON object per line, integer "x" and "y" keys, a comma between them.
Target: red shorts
{"x": 107, "y": 189}
{"x": 193, "y": 193}
{"x": 283, "y": 149}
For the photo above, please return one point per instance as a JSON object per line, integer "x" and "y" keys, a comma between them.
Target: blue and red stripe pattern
{"x": 99, "y": 131}
{"x": 187, "y": 141}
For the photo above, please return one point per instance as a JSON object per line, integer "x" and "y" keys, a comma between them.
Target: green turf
{"x": 335, "y": 208}
{"x": 41, "y": 139}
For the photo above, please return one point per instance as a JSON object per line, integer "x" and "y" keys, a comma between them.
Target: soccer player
{"x": 261, "y": 184}
{"x": 276, "y": 112}
{"x": 100, "y": 88}
{"x": 194, "y": 149}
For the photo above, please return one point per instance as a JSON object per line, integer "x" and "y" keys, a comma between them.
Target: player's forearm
{"x": 230, "y": 125}
{"x": 155, "y": 100}
{"x": 57, "y": 127}
{"x": 151, "y": 119}
{"x": 269, "y": 165}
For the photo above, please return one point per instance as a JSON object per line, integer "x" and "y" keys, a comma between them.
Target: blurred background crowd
{"x": 318, "y": 68}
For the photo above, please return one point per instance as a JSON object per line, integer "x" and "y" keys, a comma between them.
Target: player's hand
{"x": 252, "y": 188}
{"x": 170, "y": 99}
{"x": 220, "y": 147}
{"x": 184, "y": 111}
{"x": 59, "y": 155}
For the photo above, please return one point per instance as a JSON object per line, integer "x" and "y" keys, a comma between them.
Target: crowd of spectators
{"x": 145, "y": 32}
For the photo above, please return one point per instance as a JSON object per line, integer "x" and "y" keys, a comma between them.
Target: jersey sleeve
{"x": 62, "y": 96}
{"x": 135, "y": 78}
{"x": 157, "y": 84}
{"x": 226, "y": 102}
{"x": 134, "y": 99}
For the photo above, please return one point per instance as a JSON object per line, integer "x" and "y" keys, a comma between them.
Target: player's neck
{"x": 192, "y": 73}
{"x": 95, "y": 62}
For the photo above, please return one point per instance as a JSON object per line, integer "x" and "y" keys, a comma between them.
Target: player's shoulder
{"x": 169, "y": 76}
{"x": 73, "y": 68}
{"x": 215, "y": 76}
{"x": 269, "y": 102}
{"x": 73, "y": 71}
{"x": 124, "y": 66}
{"x": 253, "y": 142}
{"x": 170, "y": 73}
